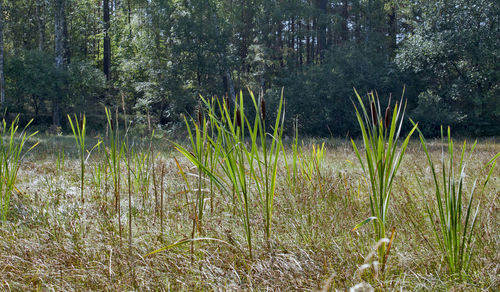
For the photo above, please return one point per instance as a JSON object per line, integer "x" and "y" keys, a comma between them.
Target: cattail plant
{"x": 113, "y": 157}
{"x": 79, "y": 133}
{"x": 267, "y": 160}
{"x": 11, "y": 153}
{"x": 78, "y": 129}
{"x": 381, "y": 160}
{"x": 237, "y": 159}
{"x": 453, "y": 218}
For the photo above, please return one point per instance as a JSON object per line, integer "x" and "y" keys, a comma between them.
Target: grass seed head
{"x": 374, "y": 113}
{"x": 238, "y": 118}
{"x": 387, "y": 116}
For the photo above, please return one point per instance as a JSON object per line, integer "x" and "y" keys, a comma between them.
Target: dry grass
{"x": 53, "y": 241}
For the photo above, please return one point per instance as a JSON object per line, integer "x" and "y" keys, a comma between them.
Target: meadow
{"x": 233, "y": 208}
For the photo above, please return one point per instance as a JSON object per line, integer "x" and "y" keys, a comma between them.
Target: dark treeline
{"x": 73, "y": 56}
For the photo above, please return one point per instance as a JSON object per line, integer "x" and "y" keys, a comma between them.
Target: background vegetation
{"x": 72, "y": 56}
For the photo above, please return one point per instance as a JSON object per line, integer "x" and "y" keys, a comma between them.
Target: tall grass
{"x": 243, "y": 169}
{"x": 266, "y": 158}
{"x": 382, "y": 156}
{"x": 11, "y": 152}
{"x": 453, "y": 218}
{"x": 114, "y": 153}
{"x": 79, "y": 132}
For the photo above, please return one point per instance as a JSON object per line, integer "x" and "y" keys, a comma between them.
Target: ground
{"x": 54, "y": 241}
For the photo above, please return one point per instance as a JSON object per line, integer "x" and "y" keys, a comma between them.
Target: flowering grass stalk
{"x": 382, "y": 157}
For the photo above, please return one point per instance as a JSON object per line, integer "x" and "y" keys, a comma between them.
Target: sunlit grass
{"x": 229, "y": 214}
{"x": 382, "y": 157}
{"x": 12, "y": 142}
{"x": 453, "y": 215}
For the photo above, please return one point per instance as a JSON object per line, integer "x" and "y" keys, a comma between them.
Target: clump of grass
{"x": 79, "y": 132}
{"x": 113, "y": 157}
{"x": 265, "y": 174}
{"x": 243, "y": 169}
{"x": 454, "y": 226}
{"x": 382, "y": 158}
{"x": 11, "y": 153}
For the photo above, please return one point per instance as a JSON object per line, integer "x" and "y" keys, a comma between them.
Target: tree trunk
{"x": 59, "y": 58}
{"x": 2, "y": 78}
{"x": 322, "y": 28}
{"x": 308, "y": 43}
{"x": 393, "y": 30}
{"x": 344, "y": 30}
{"x": 66, "y": 51}
{"x": 299, "y": 42}
{"x": 40, "y": 24}
{"x": 107, "y": 41}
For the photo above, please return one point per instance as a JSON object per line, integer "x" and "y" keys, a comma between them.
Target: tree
{"x": 454, "y": 50}
{"x": 40, "y": 23}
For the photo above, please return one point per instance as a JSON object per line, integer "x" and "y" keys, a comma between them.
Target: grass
{"x": 50, "y": 241}
{"x": 453, "y": 222}
{"x": 382, "y": 158}
{"x": 79, "y": 132}
{"x": 248, "y": 171}
{"x": 12, "y": 143}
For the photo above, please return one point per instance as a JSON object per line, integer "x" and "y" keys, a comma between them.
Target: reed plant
{"x": 12, "y": 143}
{"x": 60, "y": 160}
{"x": 381, "y": 159}
{"x": 140, "y": 161}
{"x": 114, "y": 153}
{"x": 242, "y": 169}
{"x": 453, "y": 215}
{"x": 200, "y": 150}
{"x": 293, "y": 170}
{"x": 266, "y": 158}
{"x": 79, "y": 132}
{"x": 310, "y": 164}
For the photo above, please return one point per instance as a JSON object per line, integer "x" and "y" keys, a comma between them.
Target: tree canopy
{"x": 65, "y": 56}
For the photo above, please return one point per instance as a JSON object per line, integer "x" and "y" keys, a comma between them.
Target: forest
{"x": 61, "y": 57}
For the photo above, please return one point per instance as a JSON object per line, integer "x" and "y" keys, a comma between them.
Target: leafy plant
{"x": 453, "y": 225}
{"x": 382, "y": 157}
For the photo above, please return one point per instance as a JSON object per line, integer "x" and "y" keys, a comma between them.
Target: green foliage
{"x": 453, "y": 51}
{"x": 243, "y": 169}
{"x": 12, "y": 143}
{"x": 453, "y": 225}
{"x": 433, "y": 112}
{"x": 79, "y": 132}
{"x": 382, "y": 158}
{"x": 164, "y": 53}
{"x": 31, "y": 82}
